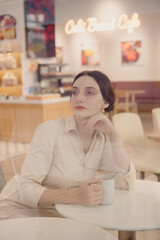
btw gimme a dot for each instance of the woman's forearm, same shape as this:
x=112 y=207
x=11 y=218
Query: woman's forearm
x=56 y=196
x=89 y=193
x=119 y=153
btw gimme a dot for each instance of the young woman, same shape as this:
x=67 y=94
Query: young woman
x=66 y=154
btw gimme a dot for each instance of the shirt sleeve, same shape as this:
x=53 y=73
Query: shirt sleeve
x=123 y=179
x=36 y=167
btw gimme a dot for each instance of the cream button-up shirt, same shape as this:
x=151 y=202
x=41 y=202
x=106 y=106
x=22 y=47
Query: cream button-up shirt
x=56 y=159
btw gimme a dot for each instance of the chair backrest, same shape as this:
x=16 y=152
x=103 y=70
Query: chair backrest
x=2 y=180
x=124 y=101
x=130 y=129
x=156 y=119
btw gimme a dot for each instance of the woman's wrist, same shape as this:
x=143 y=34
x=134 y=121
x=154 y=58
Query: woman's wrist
x=112 y=134
x=65 y=196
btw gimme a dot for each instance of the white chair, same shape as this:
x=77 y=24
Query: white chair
x=10 y=150
x=130 y=129
x=156 y=119
x=2 y=179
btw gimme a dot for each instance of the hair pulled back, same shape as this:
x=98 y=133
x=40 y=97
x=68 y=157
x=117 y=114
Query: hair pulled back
x=104 y=84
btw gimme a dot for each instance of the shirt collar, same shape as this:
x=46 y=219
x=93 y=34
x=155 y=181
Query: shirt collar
x=70 y=124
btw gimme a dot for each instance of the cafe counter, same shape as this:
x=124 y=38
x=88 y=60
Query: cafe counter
x=20 y=117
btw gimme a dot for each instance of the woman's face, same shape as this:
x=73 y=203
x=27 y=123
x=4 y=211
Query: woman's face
x=86 y=97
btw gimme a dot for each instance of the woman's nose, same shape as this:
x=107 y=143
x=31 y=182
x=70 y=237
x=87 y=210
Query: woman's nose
x=80 y=97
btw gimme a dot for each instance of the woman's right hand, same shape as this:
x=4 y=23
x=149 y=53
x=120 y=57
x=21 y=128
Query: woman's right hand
x=90 y=192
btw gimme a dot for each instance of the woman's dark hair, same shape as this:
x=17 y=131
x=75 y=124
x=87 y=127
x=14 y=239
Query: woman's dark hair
x=104 y=84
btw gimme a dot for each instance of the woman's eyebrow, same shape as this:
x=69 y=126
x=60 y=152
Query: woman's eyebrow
x=86 y=87
x=91 y=88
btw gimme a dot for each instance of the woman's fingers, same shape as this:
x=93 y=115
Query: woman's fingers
x=90 y=123
x=93 y=181
x=97 y=199
x=90 y=192
x=97 y=187
x=99 y=122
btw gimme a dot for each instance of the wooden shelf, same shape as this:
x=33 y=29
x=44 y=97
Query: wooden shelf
x=57 y=74
x=11 y=90
x=17 y=72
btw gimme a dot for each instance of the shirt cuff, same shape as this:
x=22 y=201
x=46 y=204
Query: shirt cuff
x=31 y=194
x=130 y=176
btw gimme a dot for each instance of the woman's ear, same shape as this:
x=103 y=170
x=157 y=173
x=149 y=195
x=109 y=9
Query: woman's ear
x=105 y=105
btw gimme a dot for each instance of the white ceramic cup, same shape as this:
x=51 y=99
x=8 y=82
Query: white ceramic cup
x=108 y=188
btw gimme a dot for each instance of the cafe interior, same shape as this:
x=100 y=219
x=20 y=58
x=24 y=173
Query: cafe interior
x=44 y=44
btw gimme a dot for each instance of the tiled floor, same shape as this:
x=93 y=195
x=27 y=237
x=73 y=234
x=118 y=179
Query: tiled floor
x=148 y=127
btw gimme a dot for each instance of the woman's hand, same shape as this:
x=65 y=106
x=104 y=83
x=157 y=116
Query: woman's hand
x=90 y=193
x=99 y=122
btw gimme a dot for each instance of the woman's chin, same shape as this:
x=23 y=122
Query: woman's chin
x=83 y=115
x=80 y=114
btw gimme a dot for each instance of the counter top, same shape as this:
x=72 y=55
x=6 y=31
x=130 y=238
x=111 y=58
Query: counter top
x=23 y=100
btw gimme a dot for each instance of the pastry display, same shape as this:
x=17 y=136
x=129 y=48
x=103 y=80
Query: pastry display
x=11 y=62
x=9 y=79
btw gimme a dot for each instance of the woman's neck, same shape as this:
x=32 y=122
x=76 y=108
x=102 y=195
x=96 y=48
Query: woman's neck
x=81 y=129
x=84 y=133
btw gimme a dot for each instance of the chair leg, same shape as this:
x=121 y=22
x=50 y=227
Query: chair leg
x=142 y=175
x=13 y=165
x=126 y=235
x=158 y=177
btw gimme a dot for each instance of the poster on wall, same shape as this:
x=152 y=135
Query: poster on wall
x=131 y=52
x=40 y=28
x=59 y=54
x=7 y=27
x=90 y=54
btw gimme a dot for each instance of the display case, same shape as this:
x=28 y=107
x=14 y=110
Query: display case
x=52 y=73
x=11 y=73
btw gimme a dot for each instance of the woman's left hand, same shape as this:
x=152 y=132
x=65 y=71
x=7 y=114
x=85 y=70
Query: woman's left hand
x=99 y=122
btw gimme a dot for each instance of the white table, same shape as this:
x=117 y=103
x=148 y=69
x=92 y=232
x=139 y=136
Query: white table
x=51 y=229
x=137 y=209
x=154 y=136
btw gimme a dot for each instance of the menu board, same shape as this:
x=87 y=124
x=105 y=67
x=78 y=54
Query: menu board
x=40 y=28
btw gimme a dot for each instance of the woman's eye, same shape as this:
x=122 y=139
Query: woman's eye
x=90 y=93
x=74 y=92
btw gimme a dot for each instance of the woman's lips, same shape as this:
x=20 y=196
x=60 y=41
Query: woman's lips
x=80 y=107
